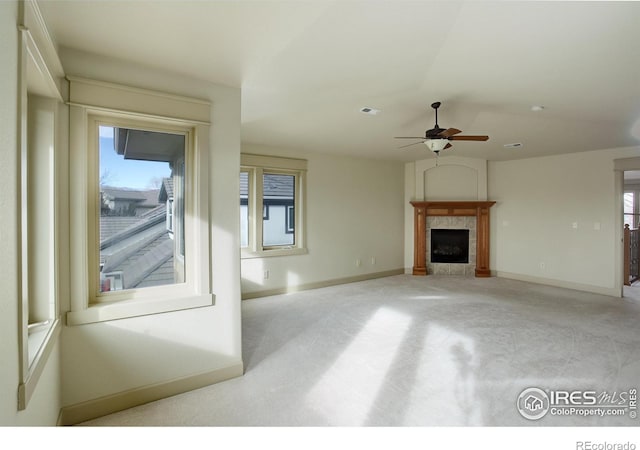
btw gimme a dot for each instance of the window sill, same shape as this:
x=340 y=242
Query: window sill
x=247 y=254
x=133 y=308
x=46 y=339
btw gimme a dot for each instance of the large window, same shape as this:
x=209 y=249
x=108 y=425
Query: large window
x=141 y=216
x=139 y=203
x=271 y=206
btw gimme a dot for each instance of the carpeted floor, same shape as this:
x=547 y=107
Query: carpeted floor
x=415 y=351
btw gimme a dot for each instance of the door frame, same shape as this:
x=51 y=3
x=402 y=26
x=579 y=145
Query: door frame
x=619 y=167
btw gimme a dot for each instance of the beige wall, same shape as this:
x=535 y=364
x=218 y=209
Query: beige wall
x=539 y=200
x=44 y=405
x=354 y=211
x=557 y=219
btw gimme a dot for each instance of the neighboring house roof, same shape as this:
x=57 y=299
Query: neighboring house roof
x=112 y=225
x=144 y=198
x=119 y=193
x=150 y=198
x=275 y=186
x=144 y=222
x=166 y=190
x=244 y=185
x=140 y=247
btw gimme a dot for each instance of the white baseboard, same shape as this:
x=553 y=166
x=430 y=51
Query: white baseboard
x=92 y=409
x=321 y=284
x=612 y=292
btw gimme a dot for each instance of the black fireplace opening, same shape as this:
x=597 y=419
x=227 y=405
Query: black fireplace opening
x=450 y=246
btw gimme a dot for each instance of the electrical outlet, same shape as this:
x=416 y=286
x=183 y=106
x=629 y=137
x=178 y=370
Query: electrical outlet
x=266 y=274
x=358 y=262
x=373 y=260
x=542 y=266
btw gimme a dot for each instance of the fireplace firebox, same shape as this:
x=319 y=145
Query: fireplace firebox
x=450 y=246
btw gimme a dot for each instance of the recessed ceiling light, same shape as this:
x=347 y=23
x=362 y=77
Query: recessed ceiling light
x=514 y=145
x=537 y=108
x=370 y=111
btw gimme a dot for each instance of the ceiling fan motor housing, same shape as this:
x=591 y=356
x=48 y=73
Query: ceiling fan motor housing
x=437 y=139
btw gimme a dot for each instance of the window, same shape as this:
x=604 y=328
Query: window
x=40 y=172
x=278 y=196
x=244 y=209
x=631 y=209
x=139 y=169
x=275 y=187
x=139 y=203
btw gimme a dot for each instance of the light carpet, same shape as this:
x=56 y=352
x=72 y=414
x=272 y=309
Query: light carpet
x=414 y=351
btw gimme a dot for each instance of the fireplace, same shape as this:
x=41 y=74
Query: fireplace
x=450 y=246
x=478 y=210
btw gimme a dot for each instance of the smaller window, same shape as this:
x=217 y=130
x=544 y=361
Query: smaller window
x=278 y=195
x=244 y=209
x=271 y=213
x=630 y=209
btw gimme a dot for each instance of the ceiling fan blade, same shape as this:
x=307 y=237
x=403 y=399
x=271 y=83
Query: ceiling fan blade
x=469 y=138
x=449 y=132
x=409 y=145
x=409 y=137
x=447 y=146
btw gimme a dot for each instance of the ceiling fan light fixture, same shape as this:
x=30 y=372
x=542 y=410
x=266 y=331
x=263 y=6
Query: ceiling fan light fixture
x=436 y=145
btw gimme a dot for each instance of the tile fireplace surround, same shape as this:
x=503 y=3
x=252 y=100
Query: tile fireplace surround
x=479 y=210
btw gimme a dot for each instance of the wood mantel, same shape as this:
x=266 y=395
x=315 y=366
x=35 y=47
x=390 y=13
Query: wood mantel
x=468 y=208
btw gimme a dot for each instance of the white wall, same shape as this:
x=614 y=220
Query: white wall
x=114 y=357
x=354 y=211
x=44 y=405
x=539 y=200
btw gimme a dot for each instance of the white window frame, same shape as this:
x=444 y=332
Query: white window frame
x=39 y=92
x=170 y=216
x=93 y=103
x=257 y=166
x=289 y=228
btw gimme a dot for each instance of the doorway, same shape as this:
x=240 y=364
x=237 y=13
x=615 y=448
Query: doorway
x=631 y=233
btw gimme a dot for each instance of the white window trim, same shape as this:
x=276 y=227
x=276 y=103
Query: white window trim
x=92 y=103
x=256 y=166
x=39 y=72
x=170 y=216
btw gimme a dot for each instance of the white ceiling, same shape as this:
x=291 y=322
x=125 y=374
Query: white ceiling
x=307 y=67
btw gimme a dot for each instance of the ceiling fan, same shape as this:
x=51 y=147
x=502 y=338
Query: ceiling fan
x=437 y=139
